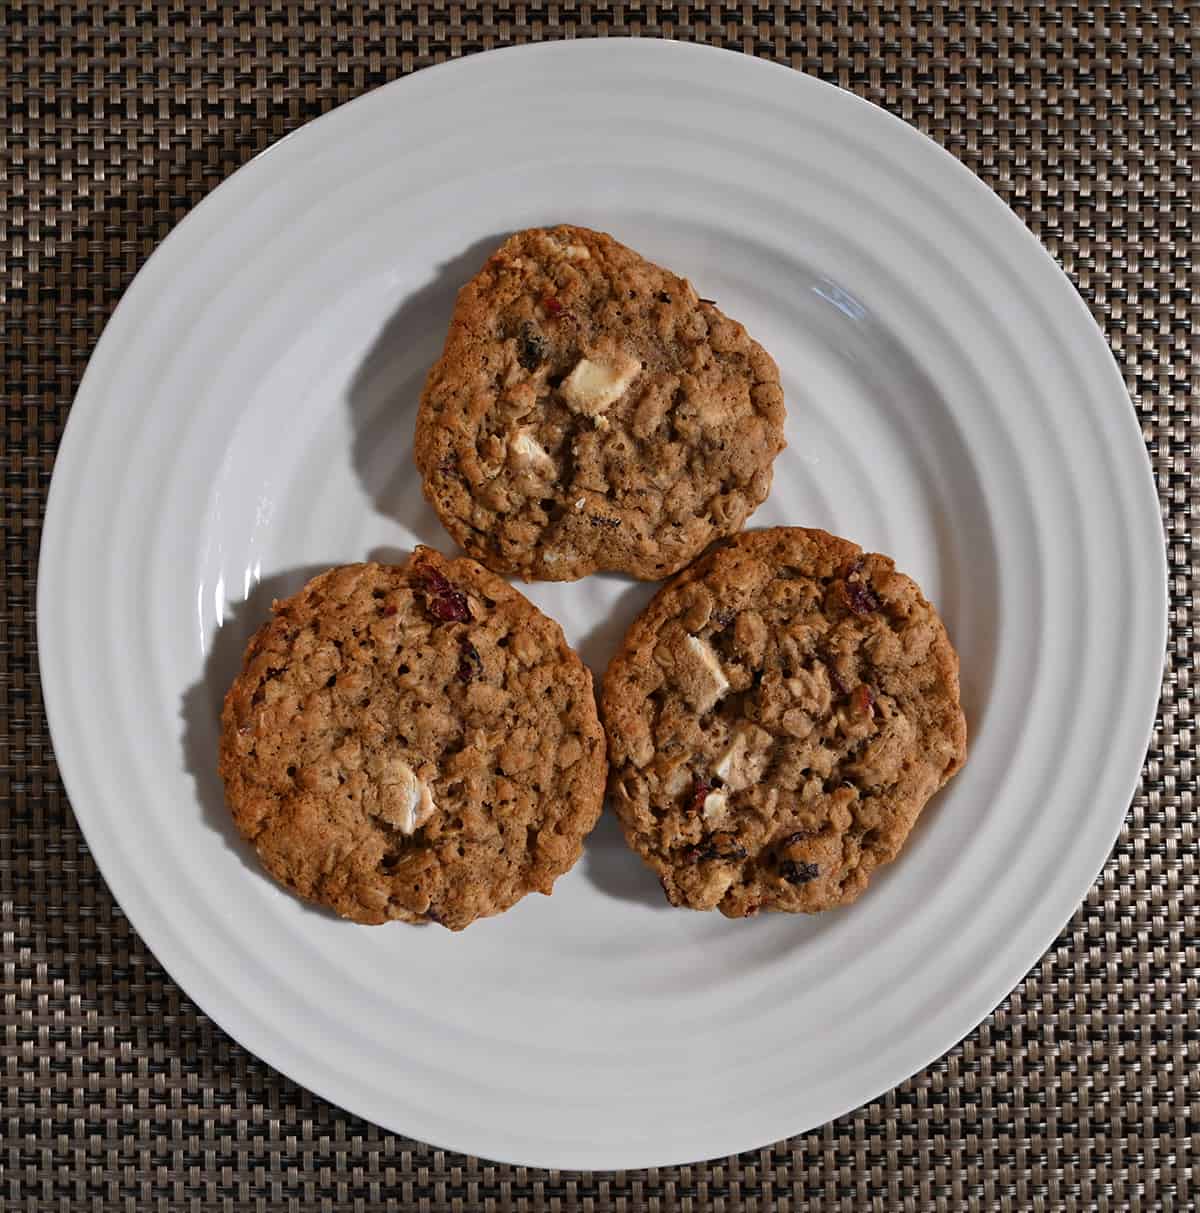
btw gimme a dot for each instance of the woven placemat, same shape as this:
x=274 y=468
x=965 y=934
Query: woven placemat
x=1080 y=1091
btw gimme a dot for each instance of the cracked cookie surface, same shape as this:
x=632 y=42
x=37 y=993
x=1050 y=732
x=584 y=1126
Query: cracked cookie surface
x=778 y=717
x=590 y=413
x=413 y=742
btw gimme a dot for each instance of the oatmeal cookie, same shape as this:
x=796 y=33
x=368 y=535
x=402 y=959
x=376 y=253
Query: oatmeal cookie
x=413 y=742
x=590 y=412
x=777 y=718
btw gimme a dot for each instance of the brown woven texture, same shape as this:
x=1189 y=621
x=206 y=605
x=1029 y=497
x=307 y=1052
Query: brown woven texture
x=1081 y=1091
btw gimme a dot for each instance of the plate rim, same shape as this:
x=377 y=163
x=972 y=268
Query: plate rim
x=91 y=399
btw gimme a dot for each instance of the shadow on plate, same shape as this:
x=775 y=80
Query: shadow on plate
x=600 y=645
x=386 y=389
x=617 y=871
x=202 y=701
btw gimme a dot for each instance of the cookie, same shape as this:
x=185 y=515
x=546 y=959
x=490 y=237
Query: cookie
x=777 y=718
x=590 y=413
x=413 y=742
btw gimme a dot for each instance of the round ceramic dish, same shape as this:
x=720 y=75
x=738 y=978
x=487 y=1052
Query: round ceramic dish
x=247 y=419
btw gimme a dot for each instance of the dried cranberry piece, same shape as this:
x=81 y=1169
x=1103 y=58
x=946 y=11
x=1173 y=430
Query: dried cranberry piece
x=432 y=582
x=390 y=609
x=444 y=601
x=700 y=790
x=470 y=664
x=797 y=836
x=452 y=608
x=863 y=700
x=532 y=348
x=553 y=307
x=860 y=597
x=796 y=871
x=712 y=850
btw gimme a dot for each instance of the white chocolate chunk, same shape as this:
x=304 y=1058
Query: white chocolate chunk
x=528 y=455
x=716 y=804
x=576 y=252
x=592 y=386
x=404 y=800
x=745 y=759
x=705 y=681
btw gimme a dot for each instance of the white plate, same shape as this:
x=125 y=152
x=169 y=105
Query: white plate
x=246 y=419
